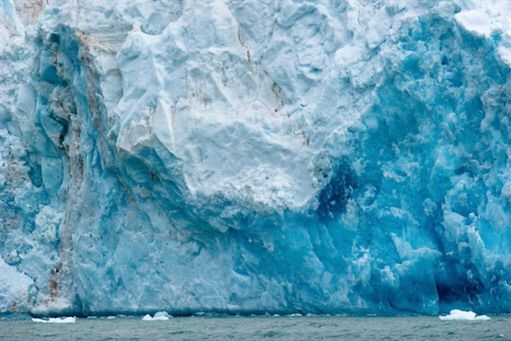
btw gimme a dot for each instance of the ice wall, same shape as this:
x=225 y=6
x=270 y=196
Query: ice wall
x=254 y=156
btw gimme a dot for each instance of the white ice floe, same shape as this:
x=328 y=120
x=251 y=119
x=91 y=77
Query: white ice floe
x=69 y=319
x=457 y=314
x=159 y=316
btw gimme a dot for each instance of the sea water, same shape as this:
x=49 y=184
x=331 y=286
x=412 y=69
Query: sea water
x=261 y=327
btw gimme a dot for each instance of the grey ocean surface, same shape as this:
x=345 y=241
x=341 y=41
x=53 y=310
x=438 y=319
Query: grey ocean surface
x=256 y=328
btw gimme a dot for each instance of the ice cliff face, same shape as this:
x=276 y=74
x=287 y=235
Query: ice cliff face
x=255 y=156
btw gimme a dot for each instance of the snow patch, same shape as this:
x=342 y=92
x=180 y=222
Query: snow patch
x=487 y=18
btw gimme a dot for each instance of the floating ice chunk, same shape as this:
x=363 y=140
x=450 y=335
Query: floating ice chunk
x=69 y=319
x=159 y=316
x=162 y=315
x=457 y=314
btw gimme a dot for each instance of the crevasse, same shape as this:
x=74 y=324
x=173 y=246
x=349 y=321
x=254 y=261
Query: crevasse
x=254 y=156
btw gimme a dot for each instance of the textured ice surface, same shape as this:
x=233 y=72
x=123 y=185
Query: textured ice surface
x=14 y=287
x=254 y=156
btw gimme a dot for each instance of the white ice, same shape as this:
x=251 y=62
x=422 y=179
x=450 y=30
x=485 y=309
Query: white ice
x=69 y=319
x=159 y=316
x=457 y=314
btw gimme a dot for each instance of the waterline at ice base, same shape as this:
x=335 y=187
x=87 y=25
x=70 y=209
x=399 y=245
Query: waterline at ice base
x=240 y=157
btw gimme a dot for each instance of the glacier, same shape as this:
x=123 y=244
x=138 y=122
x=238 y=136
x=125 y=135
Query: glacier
x=253 y=156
